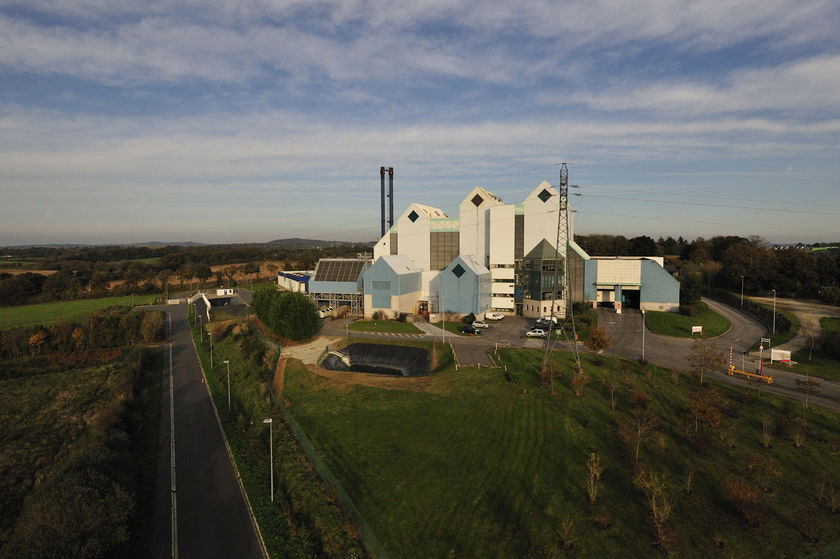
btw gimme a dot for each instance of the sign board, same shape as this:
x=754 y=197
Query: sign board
x=696 y=329
x=780 y=355
x=761 y=348
x=765 y=341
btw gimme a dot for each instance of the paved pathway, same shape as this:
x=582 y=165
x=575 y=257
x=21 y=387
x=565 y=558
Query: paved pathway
x=212 y=520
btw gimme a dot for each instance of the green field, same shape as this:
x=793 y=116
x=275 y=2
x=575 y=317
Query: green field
x=47 y=313
x=391 y=326
x=679 y=326
x=476 y=465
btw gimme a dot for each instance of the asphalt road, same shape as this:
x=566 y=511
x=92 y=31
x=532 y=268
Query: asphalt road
x=626 y=331
x=213 y=520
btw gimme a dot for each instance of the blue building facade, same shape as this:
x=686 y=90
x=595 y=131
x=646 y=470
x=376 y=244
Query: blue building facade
x=465 y=286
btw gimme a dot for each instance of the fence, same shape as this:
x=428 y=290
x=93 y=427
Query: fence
x=369 y=540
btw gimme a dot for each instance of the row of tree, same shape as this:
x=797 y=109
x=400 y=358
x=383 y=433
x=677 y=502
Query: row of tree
x=288 y=315
x=109 y=328
x=100 y=271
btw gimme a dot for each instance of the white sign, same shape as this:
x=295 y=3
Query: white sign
x=780 y=355
x=696 y=329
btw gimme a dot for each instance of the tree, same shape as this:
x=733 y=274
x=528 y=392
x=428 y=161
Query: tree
x=593 y=469
x=704 y=358
x=597 y=341
x=637 y=428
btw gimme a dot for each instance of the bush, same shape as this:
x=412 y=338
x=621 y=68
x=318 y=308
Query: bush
x=688 y=310
x=469 y=319
x=401 y=317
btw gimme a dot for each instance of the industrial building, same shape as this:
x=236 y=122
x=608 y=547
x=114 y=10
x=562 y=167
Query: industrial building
x=491 y=257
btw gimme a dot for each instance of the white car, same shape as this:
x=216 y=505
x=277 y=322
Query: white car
x=479 y=324
x=493 y=316
x=536 y=333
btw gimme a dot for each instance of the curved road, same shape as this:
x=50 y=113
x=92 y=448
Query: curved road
x=626 y=331
x=213 y=519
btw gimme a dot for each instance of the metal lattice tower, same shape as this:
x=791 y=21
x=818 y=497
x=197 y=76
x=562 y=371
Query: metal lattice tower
x=562 y=225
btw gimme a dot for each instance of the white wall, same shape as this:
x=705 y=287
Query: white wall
x=413 y=238
x=502 y=238
x=619 y=272
x=541 y=218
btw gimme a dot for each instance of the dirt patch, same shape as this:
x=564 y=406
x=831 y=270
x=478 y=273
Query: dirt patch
x=19 y=271
x=373 y=380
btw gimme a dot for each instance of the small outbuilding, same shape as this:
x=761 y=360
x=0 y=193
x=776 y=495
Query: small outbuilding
x=392 y=285
x=464 y=286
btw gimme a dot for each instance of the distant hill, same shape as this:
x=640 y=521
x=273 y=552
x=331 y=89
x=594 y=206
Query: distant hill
x=310 y=243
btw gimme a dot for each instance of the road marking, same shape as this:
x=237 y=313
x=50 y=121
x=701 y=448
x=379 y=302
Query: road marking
x=174 y=510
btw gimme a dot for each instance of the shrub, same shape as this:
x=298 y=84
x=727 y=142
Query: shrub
x=469 y=319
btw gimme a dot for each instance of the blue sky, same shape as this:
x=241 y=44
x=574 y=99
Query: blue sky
x=251 y=120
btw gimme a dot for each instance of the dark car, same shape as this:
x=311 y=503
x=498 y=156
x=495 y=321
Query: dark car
x=471 y=330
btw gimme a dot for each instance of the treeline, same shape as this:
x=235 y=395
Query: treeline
x=100 y=271
x=286 y=314
x=106 y=329
x=725 y=261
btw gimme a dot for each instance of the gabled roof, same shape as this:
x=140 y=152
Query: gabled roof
x=543 y=251
x=422 y=210
x=469 y=261
x=543 y=192
x=480 y=197
x=399 y=263
x=576 y=247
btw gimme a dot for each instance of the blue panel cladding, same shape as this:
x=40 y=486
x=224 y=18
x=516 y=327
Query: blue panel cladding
x=590 y=277
x=658 y=286
x=470 y=293
x=380 y=275
x=380 y=298
x=333 y=287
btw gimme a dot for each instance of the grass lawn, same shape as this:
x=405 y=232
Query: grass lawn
x=479 y=466
x=383 y=326
x=679 y=326
x=48 y=313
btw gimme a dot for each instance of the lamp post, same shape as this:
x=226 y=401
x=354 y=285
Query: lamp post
x=227 y=362
x=643 y=334
x=774 y=312
x=210 y=337
x=742 y=291
x=269 y=420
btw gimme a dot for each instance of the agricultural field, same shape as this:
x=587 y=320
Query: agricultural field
x=486 y=463
x=48 y=313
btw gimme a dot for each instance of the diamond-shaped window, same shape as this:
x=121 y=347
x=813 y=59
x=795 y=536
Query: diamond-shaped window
x=413 y=216
x=458 y=270
x=544 y=195
x=477 y=200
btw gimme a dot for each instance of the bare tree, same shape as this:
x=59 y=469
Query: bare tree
x=704 y=358
x=594 y=469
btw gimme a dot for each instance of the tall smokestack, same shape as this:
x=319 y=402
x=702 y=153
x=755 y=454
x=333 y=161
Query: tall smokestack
x=390 y=197
x=382 y=199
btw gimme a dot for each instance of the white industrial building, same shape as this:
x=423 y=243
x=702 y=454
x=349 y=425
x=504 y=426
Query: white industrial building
x=491 y=257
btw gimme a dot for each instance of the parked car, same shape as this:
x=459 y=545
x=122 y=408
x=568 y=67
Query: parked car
x=479 y=324
x=536 y=333
x=472 y=331
x=493 y=316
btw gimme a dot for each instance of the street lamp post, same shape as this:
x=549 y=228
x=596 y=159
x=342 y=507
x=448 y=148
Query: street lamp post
x=210 y=337
x=270 y=420
x=742 y=291
x=643 y=335
x=774 y=312
x=227 y=362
